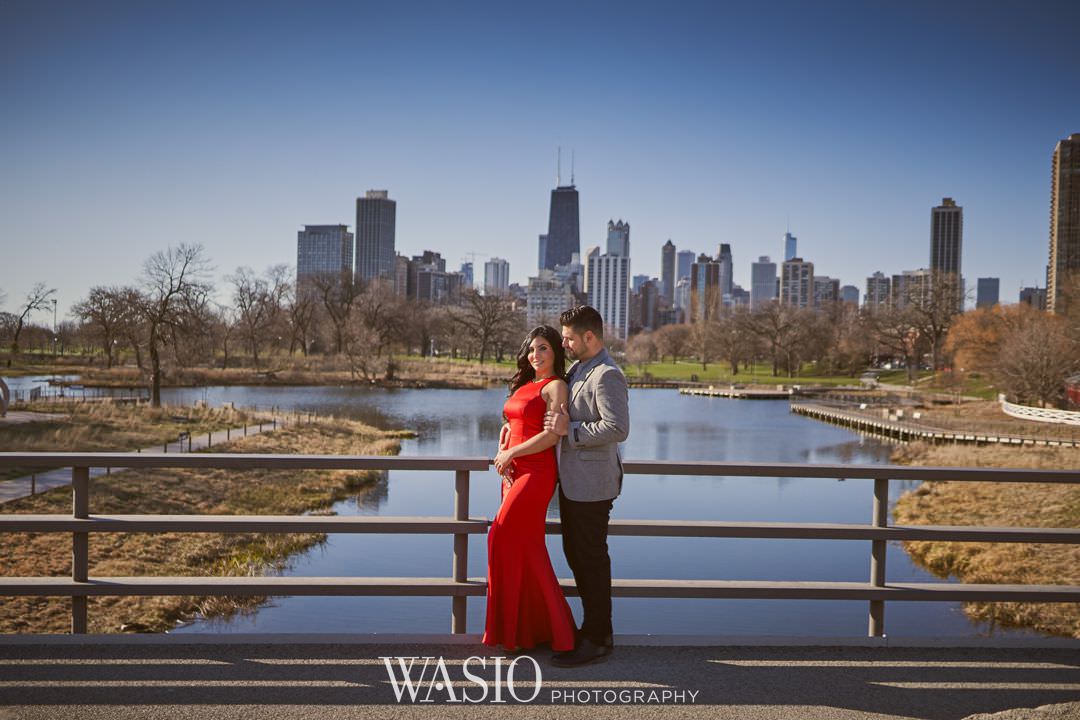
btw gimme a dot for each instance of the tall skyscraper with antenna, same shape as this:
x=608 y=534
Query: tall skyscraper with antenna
x=564 y=230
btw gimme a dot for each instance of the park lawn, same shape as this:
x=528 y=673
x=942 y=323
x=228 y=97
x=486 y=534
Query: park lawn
x=181 y=491
x=761 y=374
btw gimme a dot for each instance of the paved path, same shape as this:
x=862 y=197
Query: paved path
x=21 y=487
x=209 y=677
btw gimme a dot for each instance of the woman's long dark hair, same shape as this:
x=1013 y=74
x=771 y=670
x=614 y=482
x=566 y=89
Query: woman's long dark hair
x=527 y=373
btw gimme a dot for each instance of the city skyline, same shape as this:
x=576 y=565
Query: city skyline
x=122 y=127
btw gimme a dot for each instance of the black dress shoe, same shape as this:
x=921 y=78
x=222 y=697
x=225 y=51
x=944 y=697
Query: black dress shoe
x=586 y=652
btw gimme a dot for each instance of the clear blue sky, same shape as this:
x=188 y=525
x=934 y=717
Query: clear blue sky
x=127 y=127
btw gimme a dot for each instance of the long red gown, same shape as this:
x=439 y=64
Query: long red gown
x=525 y=605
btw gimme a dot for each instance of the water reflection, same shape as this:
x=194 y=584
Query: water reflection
x=666 y=426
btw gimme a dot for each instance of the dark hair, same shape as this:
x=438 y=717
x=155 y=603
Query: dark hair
x=582 y=318
x=527 y=373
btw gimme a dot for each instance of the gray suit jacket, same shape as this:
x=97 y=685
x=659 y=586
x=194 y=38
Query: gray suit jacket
x=589 y=465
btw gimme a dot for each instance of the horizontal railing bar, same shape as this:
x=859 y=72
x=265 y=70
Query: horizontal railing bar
x=479 y=526
x=835 y=531
x=243 y=523
x=848 y=472
x=239 y=461
x=241 y=586
x=416 y=586
x=631 y=467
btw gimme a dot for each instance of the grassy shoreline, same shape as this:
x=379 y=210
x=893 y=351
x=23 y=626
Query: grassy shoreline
x=998 y=505
x=173 y=491
x=412 y=371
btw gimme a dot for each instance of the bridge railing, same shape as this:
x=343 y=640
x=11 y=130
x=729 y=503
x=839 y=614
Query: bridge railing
x=459 y=524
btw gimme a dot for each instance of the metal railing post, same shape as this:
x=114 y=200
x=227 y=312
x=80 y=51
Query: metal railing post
x=461 y=549
x=877 y=556
x=80 y=546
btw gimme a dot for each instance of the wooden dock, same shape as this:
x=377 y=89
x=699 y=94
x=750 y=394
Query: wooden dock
x=737 y=393
x=908 y=431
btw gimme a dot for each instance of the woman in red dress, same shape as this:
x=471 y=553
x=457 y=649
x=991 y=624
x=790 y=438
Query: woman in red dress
x=525 y=605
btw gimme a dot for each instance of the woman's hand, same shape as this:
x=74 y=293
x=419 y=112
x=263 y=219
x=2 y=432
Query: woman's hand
x=504 y=463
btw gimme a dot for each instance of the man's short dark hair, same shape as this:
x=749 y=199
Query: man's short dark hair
x=582 y=318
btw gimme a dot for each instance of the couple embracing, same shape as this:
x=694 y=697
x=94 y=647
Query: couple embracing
x=562 y=428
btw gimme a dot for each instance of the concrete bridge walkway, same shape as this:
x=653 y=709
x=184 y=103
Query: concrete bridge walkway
x=283 y=676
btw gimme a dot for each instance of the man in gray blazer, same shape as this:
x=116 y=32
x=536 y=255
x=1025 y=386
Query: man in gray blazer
x=594 y=422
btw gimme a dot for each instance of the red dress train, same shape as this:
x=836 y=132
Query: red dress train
x=525 y=605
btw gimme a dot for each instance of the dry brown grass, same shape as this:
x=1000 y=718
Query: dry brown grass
x=183 y=491
x=985 y=416
x=108 y=427
x=998 y=505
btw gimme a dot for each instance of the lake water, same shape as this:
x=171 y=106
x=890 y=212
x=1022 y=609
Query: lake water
x=665 y=426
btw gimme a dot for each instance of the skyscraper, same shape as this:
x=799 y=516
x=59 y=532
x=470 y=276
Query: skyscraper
x=590 y=252
x=704 y=289
x=911 y=287
x=727 y=273
x=1063 y=268
x=609 y=291
x=667 y=270
x=946 y=243
x=1033 y=296
x=986 y=294
x=496 y=276
x=547 y=298
x=789 y=247
x=850 y=295
x=826 y=290
x=618 y=238
x=946 y=236
x=762 y=282
x=563 y=237
x=797 y=283
x=467 y=275
x=649 y=306
x=683 y=260
x=376 y=218
x=877 y=291
x=322 y=250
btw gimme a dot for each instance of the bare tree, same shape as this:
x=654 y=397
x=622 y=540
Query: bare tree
x=672 y=341
x=337 y=294
x=896 y=330
x=1035 y=358
x=259 y=304
x=735 y=338
x=932 y=307
x=39 y=298
x=223 y=330
x=106 y=310
x=705 y=340
x=785 y=330
x=132 y=332
x=300 y=310
x=641 y=349
x=175 y=289
x=483 y=316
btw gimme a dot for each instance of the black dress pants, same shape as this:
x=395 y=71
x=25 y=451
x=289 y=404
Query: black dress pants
x=584 y=536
